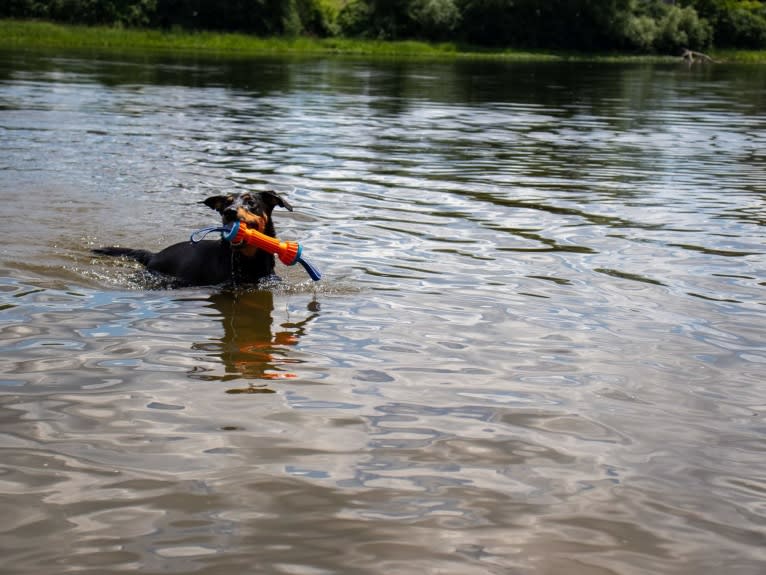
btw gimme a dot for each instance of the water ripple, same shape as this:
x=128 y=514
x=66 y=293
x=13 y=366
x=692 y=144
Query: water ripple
x=538 y=346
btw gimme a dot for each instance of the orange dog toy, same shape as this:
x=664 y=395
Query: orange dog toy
x=289 y=253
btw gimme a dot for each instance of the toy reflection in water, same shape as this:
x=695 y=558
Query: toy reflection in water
x=249 y=349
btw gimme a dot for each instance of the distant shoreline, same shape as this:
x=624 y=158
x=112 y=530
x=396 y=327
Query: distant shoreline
x=45 y=35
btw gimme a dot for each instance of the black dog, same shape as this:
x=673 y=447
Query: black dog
x=216 y=262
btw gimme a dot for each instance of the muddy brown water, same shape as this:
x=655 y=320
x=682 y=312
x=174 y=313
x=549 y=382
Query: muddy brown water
x=539 y=344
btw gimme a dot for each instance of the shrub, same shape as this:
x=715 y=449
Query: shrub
x=659 y=27
x=316 y=17
x=682 y=28
x=434 y=19
x=641 y=33
x=742 y=28
x=354 y=18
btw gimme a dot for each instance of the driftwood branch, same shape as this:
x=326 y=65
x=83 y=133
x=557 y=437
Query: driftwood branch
x=691 y=57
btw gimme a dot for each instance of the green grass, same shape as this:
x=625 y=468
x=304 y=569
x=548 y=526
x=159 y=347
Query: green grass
x=741 y=56
x=29 y=34
x=16 y=34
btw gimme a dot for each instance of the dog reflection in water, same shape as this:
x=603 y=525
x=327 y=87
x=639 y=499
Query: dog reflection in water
x=249 y=349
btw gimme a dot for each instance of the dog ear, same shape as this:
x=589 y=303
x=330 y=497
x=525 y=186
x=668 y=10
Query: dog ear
x=218 y=203
x=274 y=199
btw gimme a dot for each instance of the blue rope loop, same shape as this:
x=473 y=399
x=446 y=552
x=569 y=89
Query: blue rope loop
x=199 y=235
x=227 y=232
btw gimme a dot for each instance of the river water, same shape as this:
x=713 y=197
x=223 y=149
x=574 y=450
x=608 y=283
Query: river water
x=538 y=346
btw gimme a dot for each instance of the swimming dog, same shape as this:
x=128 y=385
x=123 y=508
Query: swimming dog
x=213 y=262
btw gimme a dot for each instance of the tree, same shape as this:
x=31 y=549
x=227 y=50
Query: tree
x=572 y=24
x=736 y=23
x=641 y=25
x=434 y=19
x=656 y=26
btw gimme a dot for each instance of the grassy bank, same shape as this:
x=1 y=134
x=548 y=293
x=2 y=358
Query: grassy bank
x=29 y=35
x=44 y=35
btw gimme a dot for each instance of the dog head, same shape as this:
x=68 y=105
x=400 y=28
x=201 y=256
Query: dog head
x=252 y=208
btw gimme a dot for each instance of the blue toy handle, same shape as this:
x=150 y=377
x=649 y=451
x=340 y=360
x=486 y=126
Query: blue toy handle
x=310 y=269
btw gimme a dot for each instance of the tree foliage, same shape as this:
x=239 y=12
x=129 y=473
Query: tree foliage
x=266 y=17
x=639 y=25
x=659 y=26
x=736 y=23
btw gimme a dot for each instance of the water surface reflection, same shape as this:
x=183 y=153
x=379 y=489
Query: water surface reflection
x=538 y=348
x=249 y=349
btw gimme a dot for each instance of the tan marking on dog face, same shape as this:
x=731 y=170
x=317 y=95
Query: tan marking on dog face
x=252 y=220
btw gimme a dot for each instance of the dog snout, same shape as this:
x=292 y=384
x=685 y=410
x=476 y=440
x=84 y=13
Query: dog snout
x=230 y=214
